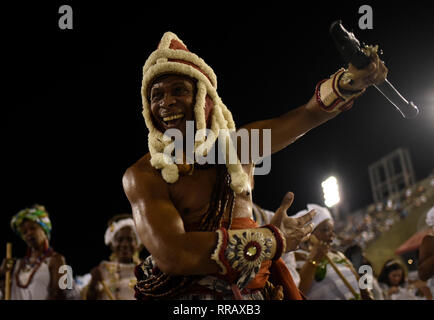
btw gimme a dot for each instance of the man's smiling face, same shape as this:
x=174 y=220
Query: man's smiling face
x=172 y=99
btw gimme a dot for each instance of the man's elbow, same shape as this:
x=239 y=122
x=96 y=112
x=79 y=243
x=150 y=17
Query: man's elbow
x=127 y=179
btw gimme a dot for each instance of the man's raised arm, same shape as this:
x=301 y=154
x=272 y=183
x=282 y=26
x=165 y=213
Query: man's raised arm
x=286 y=128
x=331 y=97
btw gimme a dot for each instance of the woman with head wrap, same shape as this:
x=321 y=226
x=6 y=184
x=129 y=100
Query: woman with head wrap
x=115 y=279
x=426 y=253
x=319 y=279
x=36 y=276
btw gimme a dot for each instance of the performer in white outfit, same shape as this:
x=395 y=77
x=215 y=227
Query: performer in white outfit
x=115 y=279
x=326 y=274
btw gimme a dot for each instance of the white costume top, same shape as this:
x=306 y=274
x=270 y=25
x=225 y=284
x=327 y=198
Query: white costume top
x=331 y=287
x=119 y=278
x=38 y=288
x=405 y=292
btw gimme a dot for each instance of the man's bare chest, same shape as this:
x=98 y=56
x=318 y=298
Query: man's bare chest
x=192 y=195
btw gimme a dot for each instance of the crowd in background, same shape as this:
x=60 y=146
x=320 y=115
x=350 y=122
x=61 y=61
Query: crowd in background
x=366 y=225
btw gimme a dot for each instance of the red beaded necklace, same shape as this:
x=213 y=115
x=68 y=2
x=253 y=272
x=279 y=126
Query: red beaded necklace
x=48 y=252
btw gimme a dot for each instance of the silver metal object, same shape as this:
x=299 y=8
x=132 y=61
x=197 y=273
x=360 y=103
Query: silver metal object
x=408 y=109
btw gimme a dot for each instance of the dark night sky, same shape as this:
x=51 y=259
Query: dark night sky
x=73 y=105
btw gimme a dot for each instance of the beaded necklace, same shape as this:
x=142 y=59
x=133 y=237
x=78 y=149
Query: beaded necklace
x=35 y=265
x=115 y=277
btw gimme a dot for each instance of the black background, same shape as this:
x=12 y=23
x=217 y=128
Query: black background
x=71 y=107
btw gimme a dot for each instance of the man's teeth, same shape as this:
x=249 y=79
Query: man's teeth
x=174 y=117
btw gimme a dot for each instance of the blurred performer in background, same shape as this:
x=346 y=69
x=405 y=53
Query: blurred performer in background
x=393 y=281
x=115 y=279
x=35 y=276
x=326 y=274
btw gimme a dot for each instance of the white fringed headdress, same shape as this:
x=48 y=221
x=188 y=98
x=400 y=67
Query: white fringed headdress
x=173 y=57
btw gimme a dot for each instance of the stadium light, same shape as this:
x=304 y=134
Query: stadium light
x=331 y=191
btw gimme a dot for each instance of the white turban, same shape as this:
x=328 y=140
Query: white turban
x=118 y=225
x=322 y=214
x=430 y=217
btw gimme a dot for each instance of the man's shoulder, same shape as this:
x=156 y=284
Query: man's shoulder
x=141 y=165
x=142 y=171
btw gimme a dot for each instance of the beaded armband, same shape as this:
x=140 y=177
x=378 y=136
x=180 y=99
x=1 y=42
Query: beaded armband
x=239 y=253
x=330 y=98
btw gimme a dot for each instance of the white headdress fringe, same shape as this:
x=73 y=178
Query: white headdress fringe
x=221 y=118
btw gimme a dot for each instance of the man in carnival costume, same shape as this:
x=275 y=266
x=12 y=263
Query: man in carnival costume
x=196 y=219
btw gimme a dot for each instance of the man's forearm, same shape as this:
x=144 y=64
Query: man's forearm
x=295 y=123
x=288 y=127
x=191 y=253
x=307 y=117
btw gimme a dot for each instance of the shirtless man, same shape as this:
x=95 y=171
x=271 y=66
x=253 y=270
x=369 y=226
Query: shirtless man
x=194 y=253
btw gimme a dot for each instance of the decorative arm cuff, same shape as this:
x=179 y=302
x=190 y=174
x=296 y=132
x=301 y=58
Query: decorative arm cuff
x=330 y=98
x=240 y=253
